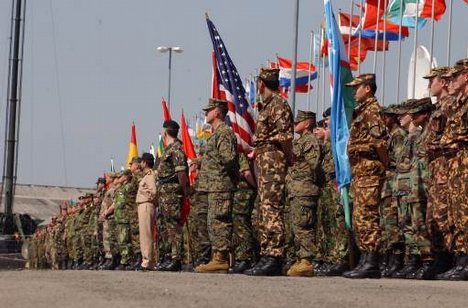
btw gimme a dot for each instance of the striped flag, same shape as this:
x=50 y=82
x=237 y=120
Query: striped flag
x=342 y=105
x=227 y=84
x=160 y=152
x=412 y=8
x=304 y=69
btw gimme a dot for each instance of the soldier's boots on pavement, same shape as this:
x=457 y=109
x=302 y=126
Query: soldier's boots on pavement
x=412 y=265
x=302 y=268
x=267 y=266
x=368 y=269
x=173 y=266
x=240 y=267
x=335 y=269
x=394 y=264
x=219 y=264
x=458 y=272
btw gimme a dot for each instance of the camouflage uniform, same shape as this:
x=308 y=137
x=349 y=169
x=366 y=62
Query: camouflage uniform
x=133 y=212
x=455 y=145
x=108 y=226
x=274 y=125
x=220 y=168
x=171 y=197
x=198 y=224
x=244 y=198
x=122 y=220
x=438 y=195
x=77 y=229
x=303 y=193
x=331 y=235
x=392 y=238
x=367 y=133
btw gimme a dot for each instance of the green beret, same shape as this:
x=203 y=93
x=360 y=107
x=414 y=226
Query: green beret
x=171 y=124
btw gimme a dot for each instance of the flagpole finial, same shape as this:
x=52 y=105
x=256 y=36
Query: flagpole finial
x=206 y=15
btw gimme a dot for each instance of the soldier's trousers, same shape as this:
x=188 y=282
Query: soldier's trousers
x=170 y=205
x=124 y=242
x=304 y=225
x=438 y=217
x=458 y=188
x=134 y=230
x=77 y=246
x=164 y=249
x=366 y=218
x=108 y=238
x=412 y=223
x=290 y=248
x=220 y=220
x=242 y=235
x=392 y=240
x=332 y=236
x=198 y=226
x=271 y=167
x=146 y=227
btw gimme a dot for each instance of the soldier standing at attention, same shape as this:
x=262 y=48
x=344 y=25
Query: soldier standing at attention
x=455 y=145
x=367 y=150
x=219 y=167
x=392 y=246
x=133 y=212
x=273 y=154
x=172 y=189
x=108 y=225
x=146 y=200
x=304 y=193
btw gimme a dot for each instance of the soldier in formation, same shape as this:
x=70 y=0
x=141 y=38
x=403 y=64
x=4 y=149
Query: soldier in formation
x=409 y=195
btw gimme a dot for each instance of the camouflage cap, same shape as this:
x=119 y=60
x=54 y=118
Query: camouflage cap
x=112 y=175
x=86 y=196
x=126 y=172
x=455 y=70
x=214 y=102
x=393 y=109
x=269 y=74
x=361 y=79
x=327 y=113
x=462 y=62
x=437 y=72
x=101 y=180
x=418 y=105
x=321 y=123
x=305 y=115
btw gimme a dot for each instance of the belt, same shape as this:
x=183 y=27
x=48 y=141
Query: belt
x=169 y=180
x=267 y=147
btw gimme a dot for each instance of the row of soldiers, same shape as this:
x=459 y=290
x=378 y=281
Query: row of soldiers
x=275 y=208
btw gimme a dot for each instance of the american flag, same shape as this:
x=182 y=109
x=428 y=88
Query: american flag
x=227 y=85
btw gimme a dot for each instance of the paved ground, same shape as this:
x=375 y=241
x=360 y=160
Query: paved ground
x=132 y=289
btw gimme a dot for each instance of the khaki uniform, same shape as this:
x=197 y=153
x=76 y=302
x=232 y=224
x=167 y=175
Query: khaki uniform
x=146 y=198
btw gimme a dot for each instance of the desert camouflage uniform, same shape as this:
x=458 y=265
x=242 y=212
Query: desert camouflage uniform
x=455 y=145
x=274 y=125
x=367 y=133
x=171 y=197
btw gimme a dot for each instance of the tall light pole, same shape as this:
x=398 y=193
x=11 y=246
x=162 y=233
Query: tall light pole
x=170 y=49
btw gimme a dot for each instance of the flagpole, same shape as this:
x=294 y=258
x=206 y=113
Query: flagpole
x=360 y=38
x=449 y=34
x=376 y=37
x=432 y=32
x=415 y=47
x=384 y=51
x=350 y=27
x=399 y=51
x=294 y=62
x=319 y=75
x=323 y=86
x=311 y=55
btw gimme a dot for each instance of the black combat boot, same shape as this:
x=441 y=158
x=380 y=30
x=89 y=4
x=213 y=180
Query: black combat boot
x=286 y=266
x=107 y=265
x=137 y=261
x=335 y=269
x=240 y=266
x=255 y=266
x=395 y=264
x=425 y=272
x=412 y=265
x=173 y=266
x=122 y=267
x=443 y=262
x=461 y=270
x=384 y=261
x=362 y=260
x=370 y=268
x=271 y=267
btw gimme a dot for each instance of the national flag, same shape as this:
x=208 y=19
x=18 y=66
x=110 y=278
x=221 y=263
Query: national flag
x=160 y=152
x=166 y=113
x=345 y=23
x=132 y=147
x=342 y=105
x=189 y=151
x=374 y=18
x=227 y=85
x=304 y=70
x=422 y=9
x=250 y=91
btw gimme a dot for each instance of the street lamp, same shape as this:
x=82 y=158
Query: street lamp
x=164 y=49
